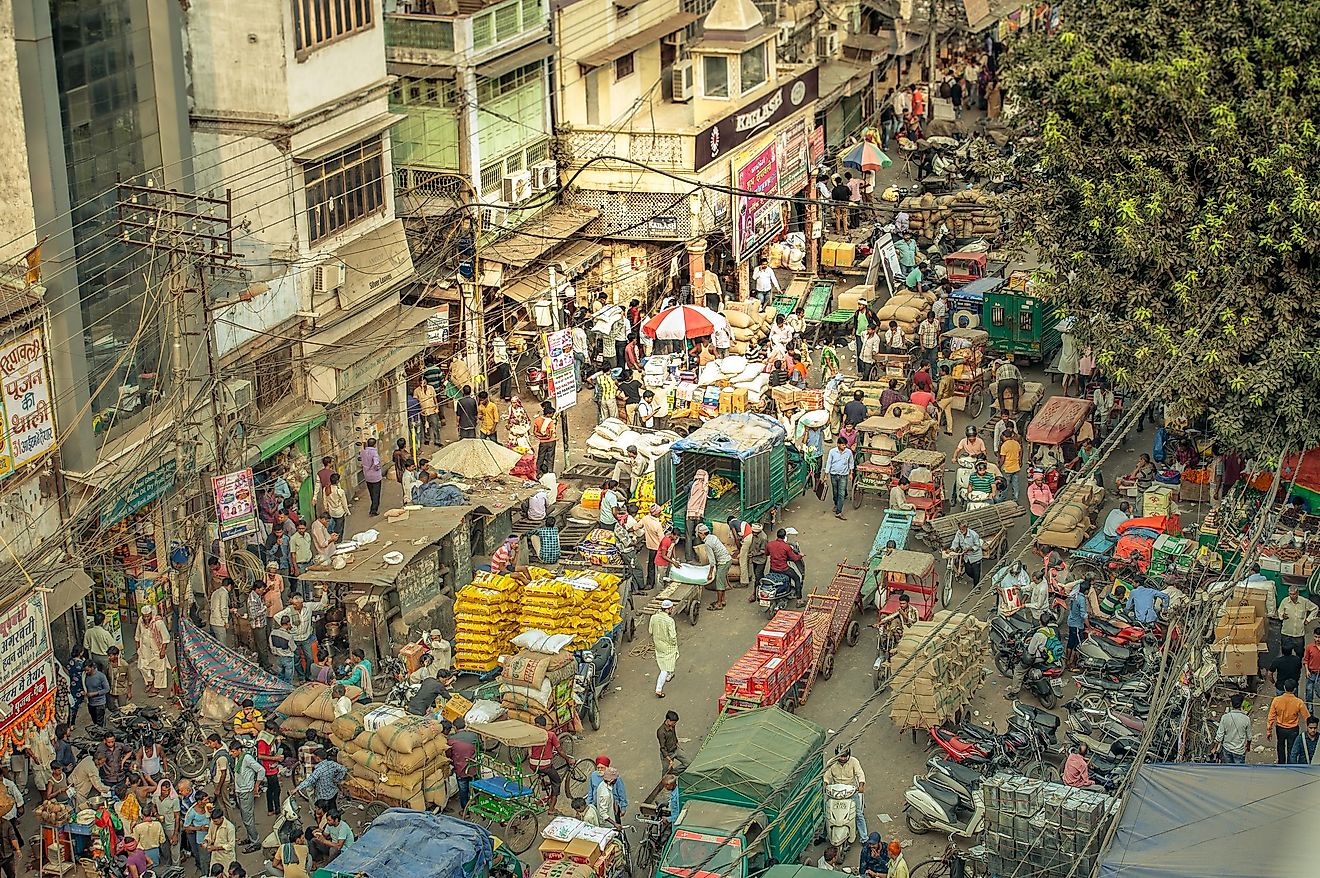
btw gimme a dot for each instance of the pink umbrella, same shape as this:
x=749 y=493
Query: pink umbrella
x=683 y=321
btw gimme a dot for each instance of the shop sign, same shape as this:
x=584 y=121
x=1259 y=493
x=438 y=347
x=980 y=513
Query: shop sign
x=793 y=158
x=25 y=403
x=147 y=489
x=559 y=368
x=437 y=326
x=816 y=145
x=747 y=123
x=28 y=690
x=235 y=504
x=756 y=221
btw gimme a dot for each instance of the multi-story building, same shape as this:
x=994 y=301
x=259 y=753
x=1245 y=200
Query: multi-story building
x=290 y=113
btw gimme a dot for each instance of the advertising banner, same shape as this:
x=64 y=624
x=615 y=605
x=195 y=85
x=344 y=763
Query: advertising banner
x=756 y=221
x=559 y=368
x=27 y=693
x=793 y=158
x=235 y=503
x=25 y=401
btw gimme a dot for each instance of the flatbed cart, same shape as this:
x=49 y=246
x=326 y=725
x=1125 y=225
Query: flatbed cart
x=819 y=297
x=829 y=616
x=685 y=594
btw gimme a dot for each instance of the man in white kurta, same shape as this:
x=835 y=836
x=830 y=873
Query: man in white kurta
x=665 y=637
x=153 y=640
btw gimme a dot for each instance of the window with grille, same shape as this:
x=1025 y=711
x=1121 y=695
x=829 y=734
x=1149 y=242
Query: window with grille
x=319 y=21
x=343 y=188
x=483 y=31
x=410 y=91
x=625 y=66
x=491 y=175
x=274 y=377
x=490 y=89
x=505 y=22
x=538 y=152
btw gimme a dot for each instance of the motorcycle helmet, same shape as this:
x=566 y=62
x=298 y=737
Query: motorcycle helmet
x=971 y=431
x=843 y=751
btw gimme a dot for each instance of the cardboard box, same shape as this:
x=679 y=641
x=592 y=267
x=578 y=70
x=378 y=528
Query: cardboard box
x=785 y=396
x=828 y=253
x=1239 y=615
x=455 y=707
x=1241 y=632
x=1256 y=598
x=579 y=850
x=412 y=654
x=1237 y=660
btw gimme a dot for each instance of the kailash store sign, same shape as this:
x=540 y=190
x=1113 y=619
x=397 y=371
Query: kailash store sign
x=726 y=135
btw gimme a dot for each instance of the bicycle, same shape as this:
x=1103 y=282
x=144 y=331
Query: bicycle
x=955 y=863
x=654 y=817
x=574 y=774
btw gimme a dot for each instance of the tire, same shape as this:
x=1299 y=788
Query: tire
x=1048 y=699
x=880 y=678
x=1003 y=665
x=946 y=592
x=1041 y=770
x=372 y=810
x=827 y=665
x=630 y=629
x=191 y=761
x=694 y=611
x=854 y=633
x=856 y=498
x=789 y=703
x=569 y=744
x=916 y=824
x=1093 y=701
x=577 y=778
x=644 y=858
x=593 y=715
x=976 y=401
x=520 y=832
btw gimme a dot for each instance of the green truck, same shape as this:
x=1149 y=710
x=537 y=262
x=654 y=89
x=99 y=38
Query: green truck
x=753 y=797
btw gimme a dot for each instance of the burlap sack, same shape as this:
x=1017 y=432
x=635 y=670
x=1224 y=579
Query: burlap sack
x=409 y=733
x=314 y=700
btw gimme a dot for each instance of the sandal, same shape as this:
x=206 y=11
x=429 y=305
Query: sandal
x=711 y=607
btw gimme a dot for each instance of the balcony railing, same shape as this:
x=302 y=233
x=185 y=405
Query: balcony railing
x=419 y=32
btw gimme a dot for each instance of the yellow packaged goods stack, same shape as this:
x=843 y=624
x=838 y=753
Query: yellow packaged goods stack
x=936 y=668
x=581 y=604
x=485 y=620
x=392 y=755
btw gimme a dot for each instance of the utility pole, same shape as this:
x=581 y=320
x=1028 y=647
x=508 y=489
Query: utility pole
x=195 y=233
x=930 y=56
x=556 y=324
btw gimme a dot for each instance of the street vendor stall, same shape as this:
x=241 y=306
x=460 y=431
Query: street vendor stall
x=751 y=467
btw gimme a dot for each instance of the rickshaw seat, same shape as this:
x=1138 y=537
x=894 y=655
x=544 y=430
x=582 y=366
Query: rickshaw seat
x=503 y=788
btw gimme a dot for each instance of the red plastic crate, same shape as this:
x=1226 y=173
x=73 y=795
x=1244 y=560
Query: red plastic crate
x=783 y=630
x=740 y=675
x=771 y=679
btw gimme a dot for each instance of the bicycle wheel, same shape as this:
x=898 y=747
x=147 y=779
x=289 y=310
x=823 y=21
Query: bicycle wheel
x=372 y=810
x=520 y=832
x=931 y=869
x=577 y=777
x=645 y=857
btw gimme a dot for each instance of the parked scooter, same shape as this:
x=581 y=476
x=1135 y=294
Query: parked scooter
x=929 y=804
x=288 y=816
x=1044 y=682
x=775 y=591
x=841 y=815
x=595 y=670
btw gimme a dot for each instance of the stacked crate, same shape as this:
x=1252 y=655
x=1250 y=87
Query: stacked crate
x=936 y=668
x=1240 y=633
x=762 y=676
x=1045 y=829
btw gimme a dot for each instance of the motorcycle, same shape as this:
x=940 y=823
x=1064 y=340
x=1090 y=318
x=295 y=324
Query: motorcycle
x=402 y=690
x=288 y=816
x=929 y=804
x=1097 y=655
x=775 y=591
x=595 y=670
x=1046 y=682
x=841 y=814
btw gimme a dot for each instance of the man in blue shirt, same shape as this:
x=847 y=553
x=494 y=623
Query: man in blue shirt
x=1078 y=613
x=839 y=467
x=1141 y=604
x=968 y=542
x=874 y=861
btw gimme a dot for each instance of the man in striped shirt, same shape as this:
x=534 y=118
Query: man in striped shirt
x=506 y=556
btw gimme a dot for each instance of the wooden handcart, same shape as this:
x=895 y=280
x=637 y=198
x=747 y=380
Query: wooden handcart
x=685 y=595
x=829 y=617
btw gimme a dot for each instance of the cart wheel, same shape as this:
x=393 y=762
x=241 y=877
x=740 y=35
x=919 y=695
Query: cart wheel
x=694 y=611
x=976 y=401
x=854 y=633
x=857 y=498
x=827 y=665
x=516 y=756
x=789 y=703
x=520 y=832
x=630 y=629
x=372 y=810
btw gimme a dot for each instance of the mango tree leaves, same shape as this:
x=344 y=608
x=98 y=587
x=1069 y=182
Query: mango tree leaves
x=1174 y=192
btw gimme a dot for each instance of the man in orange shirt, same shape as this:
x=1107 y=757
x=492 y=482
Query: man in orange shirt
x=1311 y=661
x=1287 y=713
x=543 y=429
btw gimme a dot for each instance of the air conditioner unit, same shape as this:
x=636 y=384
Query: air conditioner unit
x=517 y=187
x=235 y=396
x=544 y=175
x=827 y=45
x=785 y=33
x=328 y=277
x=494 y=216
x=677 y=38
x=683 y=81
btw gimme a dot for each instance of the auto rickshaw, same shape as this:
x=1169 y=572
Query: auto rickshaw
x=1055 y=434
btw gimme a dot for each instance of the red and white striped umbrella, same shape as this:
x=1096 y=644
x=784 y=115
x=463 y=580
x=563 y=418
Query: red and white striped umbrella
x=683 y=321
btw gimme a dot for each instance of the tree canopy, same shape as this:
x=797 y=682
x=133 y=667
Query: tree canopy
x=1173 y=154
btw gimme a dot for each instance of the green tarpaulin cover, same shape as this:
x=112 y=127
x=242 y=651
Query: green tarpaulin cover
x=753 y=756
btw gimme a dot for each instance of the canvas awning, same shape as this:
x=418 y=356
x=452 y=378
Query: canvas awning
x=65 y=588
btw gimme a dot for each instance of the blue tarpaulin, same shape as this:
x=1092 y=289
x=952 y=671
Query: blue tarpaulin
x=402 y=843
x=1218 y=821
x=737 y=435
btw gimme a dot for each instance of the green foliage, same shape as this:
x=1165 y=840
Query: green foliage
x=1177 y=162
